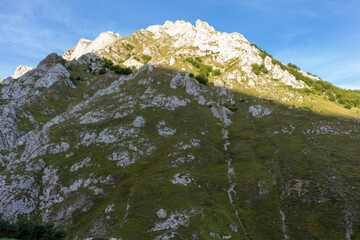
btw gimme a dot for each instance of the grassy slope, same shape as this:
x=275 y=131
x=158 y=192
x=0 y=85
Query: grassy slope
x=312 y=178
x=317 y=101
x=262 y=160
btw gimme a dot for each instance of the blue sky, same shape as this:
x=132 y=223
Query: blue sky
x=320 y=36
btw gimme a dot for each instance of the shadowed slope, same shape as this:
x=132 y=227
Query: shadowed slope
x=157 y=155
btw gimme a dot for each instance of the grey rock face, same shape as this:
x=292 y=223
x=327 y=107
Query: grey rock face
x=56 y=73
x=161 y=213
x=139 y=121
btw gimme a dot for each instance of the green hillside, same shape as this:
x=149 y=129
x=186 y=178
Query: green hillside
x=200 y=148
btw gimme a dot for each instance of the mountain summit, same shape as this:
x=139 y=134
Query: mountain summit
x=179 y=132
x=86 y=46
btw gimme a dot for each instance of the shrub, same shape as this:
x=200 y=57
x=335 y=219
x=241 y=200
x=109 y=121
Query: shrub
x=74 y=78
x=203 y=68
x=276 y=62
x=348 y=105
x=293 y=66
x=191 y=75
x=120 y=70
x=306 y=108
x=108 y=63
x=146 y=58
x=257 y=69
x=216 y=72
x=202 y=79
x=128 y=46
x=102 y=71
x=342 y=101
x=23 y=228
x=232 y=108
x=193 y=62
x=332 y=98
x=262 y=55
x=198 y=59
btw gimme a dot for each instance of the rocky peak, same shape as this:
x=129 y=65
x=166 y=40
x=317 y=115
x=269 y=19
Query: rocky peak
x=84 y=41
x=204 y=26
x=181 y=27
x=87 y=46
x=51 y=60
x=105 y=38
x=21 y=70
x=185 y=40
x=203 y=36
x=178 y=27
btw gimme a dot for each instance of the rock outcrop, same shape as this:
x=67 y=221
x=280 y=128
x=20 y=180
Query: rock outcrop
x=84 y=46
x=21 y=70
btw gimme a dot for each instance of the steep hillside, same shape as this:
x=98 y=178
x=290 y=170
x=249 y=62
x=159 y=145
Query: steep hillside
x=209 y=137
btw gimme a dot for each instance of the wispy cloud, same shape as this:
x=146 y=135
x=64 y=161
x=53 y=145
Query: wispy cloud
x=28 y=30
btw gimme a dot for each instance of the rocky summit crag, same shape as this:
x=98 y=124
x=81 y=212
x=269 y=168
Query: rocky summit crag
x=209 y=137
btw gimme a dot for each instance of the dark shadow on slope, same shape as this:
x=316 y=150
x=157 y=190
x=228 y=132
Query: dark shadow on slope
x=291 y=171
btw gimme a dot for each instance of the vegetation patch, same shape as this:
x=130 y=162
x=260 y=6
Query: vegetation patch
x=204 y=70
x=257 y=69
x=202 y=79
x=128 y=46
x=116 y=68
x=216 y=72
x=293 y=66
x=146 y=58
x=23 y=228
x=232 y=108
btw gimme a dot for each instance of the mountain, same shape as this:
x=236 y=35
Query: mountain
x=21 y=70
x=179 y=132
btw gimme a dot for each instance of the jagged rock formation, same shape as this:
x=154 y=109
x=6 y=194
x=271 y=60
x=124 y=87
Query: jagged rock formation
x=157 y=155
x=21 y=70
x=86 y=46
